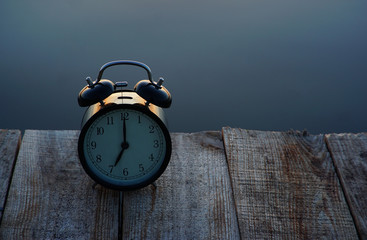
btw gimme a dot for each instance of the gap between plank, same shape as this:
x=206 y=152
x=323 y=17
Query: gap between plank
x=340 y=180
x=231 y=184
x=11 y=176
x=121 y=215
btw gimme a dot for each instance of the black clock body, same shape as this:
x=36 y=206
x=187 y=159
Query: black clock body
x=124 y=142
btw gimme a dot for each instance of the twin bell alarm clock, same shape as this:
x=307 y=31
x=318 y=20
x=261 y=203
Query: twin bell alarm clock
x=124 y=142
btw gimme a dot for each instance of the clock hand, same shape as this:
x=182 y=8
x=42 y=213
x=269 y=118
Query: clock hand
x=124 y=130
x=119 y=156
x=124 y=144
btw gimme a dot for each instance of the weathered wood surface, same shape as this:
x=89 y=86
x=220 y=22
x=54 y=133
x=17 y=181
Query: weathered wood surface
x=9 y=146
x=254 y=185
x=192 y=199
x=285 y=186
x=51 y=197
x=349 y=152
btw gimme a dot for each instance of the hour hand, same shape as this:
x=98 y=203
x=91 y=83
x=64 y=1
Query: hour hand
x=124 y=146
x=119 y=156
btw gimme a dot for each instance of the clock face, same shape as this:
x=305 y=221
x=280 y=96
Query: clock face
x=124 y=147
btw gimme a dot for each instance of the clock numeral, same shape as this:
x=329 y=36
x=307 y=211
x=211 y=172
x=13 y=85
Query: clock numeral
x=93 y=144
x=98 y=158
x=156 y=144
x=100 y=131
x=151 y=129
x=111 y=167
x=109 y=120
x=125 y=116
x=125 y=172
x=141 y=168
x=139 y=119
x=151 y=157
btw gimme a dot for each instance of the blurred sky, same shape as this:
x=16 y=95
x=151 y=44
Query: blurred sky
x=266 y=65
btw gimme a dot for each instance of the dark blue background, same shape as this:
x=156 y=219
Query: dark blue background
x=268 y=65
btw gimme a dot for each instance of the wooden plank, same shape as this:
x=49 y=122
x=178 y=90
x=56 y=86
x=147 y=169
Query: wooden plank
x=9 y=146
x=285 y=186
x=349 y=152
x=192 y=199
x=51 y=197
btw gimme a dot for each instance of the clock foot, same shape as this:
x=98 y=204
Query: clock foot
x=94 y=185
x=154 y=185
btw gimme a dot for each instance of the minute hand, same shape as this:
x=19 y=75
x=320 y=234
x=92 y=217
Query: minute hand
x=124 y=144
x=124 y=130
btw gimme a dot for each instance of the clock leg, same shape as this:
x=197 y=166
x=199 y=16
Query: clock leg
x=154 y=185
x=94 y=185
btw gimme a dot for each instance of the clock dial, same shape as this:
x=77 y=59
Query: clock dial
x=125 y=148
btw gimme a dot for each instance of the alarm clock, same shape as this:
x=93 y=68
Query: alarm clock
x=124 y=142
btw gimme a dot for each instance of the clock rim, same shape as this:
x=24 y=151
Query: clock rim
x=105 y=110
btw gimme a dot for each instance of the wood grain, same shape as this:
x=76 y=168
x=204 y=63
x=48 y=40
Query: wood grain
x=349 y=152
x=52 y=198
x=9 y=146
x=285 y=186
x=192 y=199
